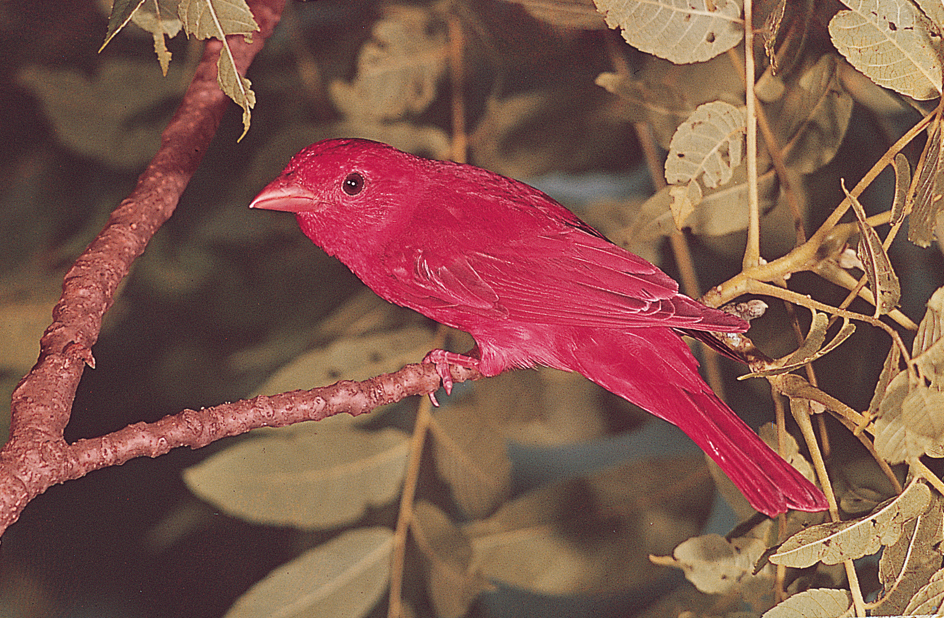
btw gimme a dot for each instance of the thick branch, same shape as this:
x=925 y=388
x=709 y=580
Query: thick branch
x=36 y=456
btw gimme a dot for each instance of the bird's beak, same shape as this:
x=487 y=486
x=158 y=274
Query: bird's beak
x=279 y=195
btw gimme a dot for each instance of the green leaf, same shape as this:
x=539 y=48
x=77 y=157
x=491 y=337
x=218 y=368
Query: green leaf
x=302 y=478
x=681 y=31
x=121 y=12
x=892 y=43
x=344 y=578
x=218 y=19
x=159 y=17
x=833 y=542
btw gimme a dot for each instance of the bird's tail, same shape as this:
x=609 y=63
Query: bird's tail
x=655 y=370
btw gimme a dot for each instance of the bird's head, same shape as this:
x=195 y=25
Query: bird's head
x=339 y=188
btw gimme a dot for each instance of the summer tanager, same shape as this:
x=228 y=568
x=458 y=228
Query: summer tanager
x=532 y=284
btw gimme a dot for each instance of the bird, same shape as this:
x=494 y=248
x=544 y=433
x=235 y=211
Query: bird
x=532 y=284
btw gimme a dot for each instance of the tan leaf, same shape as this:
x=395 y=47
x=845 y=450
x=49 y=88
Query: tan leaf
x=929 y=191
x=681 y=31
x=878 y=267
x=302 y=478
x=902 y=186
x=580 y=14
x=929 y=600
x=343 y=578
x=716 y=565
x=908 y=564
x=472 y=458
x=705 y=151
x=398 y=69
x=815 y=603
x=892 y=43
x=454 y=582
x=833 y=542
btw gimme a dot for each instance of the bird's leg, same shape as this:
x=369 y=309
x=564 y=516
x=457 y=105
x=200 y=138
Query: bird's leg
x=442 y=359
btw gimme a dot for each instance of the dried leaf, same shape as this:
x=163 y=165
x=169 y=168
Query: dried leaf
x=902 y=185
x=878 y=267
x=929 y=600
x=472 y=458
x=811 y=118
x=304 y=479
x=580 y=14
x=833 y=542
x=716 y=565
x=908 y=564
x=398 y=69
x=681 y=31
x=816 y=603
x=929 y=191
x=911 y=409
x=892 y=43
x=705 y=150
x=454 y=582
x=812 y=348
x=344 y=578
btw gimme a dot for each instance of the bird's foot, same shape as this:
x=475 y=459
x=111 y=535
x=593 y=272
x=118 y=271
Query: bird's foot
x=442 y=359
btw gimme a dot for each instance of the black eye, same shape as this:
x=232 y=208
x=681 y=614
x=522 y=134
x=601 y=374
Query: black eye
x=353 y=183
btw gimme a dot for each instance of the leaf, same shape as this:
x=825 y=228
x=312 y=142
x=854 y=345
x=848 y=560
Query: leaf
x=121 y=12
x=304 y=479
x=929 y=191
x=398 y=69
x=663 y=105
x=892 y=43
x=344 y=578
x=908 y=564
x=115 y=116
x=681 y=31
x=833 y=542
x=902 y=186
x=815 y=603
x=352 y=358
x=160 y=18
x=878 y=267
x=217 y=19
x=716 y=565
x=705 y=149
x=889 y=370
x=580 y=14
x=929 y=600
x=811 y=118
x=812 y=348
x=591 y=535
x=910 y=419
x=472 y=458
x=454 y=581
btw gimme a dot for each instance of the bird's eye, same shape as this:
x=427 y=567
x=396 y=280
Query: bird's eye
x=353 y=183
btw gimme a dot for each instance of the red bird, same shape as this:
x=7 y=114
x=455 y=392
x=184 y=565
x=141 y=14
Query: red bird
x=532 y=284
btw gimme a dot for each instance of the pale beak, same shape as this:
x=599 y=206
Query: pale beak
x=279 y=195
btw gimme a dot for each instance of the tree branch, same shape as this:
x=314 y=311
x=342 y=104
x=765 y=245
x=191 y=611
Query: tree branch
x=36 y=455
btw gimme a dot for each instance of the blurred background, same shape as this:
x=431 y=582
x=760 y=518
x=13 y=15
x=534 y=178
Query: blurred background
x=223 y=298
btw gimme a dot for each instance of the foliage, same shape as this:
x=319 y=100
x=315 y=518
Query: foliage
x=544 y=87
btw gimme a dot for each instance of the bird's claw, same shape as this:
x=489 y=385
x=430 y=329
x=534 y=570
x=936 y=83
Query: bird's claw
x=442 y=360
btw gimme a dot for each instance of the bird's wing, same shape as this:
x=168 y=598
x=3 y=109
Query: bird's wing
x=561 y=277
